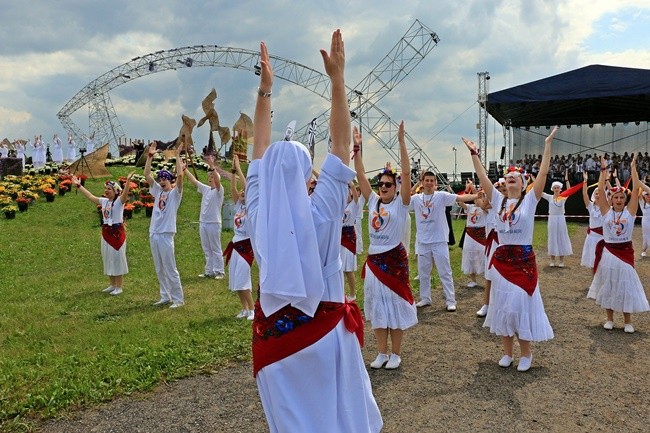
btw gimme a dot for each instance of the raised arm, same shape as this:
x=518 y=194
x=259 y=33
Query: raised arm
x=585 y=189
x=180 y=166
x=84 y=191
x=633 y=204
x=566 y=179
x=353 y=190
x=405 y=163
x=483 y=178
x=147 y=165
x=540 y=181
x=602 y=196
x=215 y=174
x=364 y=184
x=334 y=63
x=262 y=118
x=124 y=197
x=190 y=176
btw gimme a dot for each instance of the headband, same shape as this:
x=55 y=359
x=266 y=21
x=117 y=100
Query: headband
x=164 y=174
x=116 y=186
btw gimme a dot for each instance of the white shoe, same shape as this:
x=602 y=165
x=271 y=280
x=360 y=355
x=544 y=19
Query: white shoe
x=609 y=325
x=116 y=291
x=219 y=276
x=423 y=303
x=351 y=298
x=161 y=302
x=176 y=305
x=206 y=276
x=251 y=315
x=483 y=311
x=379 y=361
x=629 y=328
x=109 y=289
x=561 y=265
x=393 y=362
x=242 y=314
x=505 y=361
x=525 y=362
x=552 y=264
x=451 y=307
x=472 y=284
x=643 y=254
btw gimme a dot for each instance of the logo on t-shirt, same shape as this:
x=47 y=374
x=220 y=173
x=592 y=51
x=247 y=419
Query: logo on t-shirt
x=162 y=201
x=426 y=208
x=380 y=219
x=239 y=217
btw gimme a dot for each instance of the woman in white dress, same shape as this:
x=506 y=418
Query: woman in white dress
x=57 y=150
x=595 y=228
x=38 y=153
x=616 y=285
x=644 y=204
x=473 y=256
x=20 y=152
x=71 y=155
x=516 y=306
x=349 y=242
x=559 y=244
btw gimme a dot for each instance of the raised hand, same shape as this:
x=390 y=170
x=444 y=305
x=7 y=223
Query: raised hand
x=334 y=62
x=152 y=149
x=266 y=71
x=470 y=145
x=550 y=137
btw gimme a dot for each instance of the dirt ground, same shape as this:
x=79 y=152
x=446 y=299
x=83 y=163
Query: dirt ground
x=587 y=379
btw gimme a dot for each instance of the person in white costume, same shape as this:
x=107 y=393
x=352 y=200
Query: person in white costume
x=516 y=306
x=349 y=241
x=20 y=152
x=559 y=244
x=210 y=220
x=595 y=227
x=239 y=252
x=306 y=353
x=616 y=285
x=162 y=228
x=4 y=151
x=38 y=153
x=113 y=244
x=473 y=257
x=644 y=204
x=71 y=155
x=359 y=219
x=57 y=150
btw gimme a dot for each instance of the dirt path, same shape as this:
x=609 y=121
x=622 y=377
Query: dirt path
x=585 y=380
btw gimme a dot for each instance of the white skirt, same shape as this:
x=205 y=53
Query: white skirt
x=645 y=229
x=488 y=257
x=114 y=260
x=385 y=308
x=559 y=243
x=239 y=273
x=348 y=260
x=321 y=389
x=513 y=312
x=589 y=249
x=616 y=286
x=473 y=259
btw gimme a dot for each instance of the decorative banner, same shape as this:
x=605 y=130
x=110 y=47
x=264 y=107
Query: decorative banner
x=311 y=135
x=289 y=132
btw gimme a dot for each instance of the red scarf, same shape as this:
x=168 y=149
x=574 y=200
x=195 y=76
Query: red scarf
x=289 y=330
x=492 y=237
x=476 y=233
x=243 y=247
x=349 y=238
x=114 y=235
x=598 y=230
x=516 y=263
x=622 y=250
x=392 y=269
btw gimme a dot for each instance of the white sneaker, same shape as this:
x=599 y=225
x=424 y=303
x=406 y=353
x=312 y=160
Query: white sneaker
x=116 y=291
x=350 y=298
x=629 y=328
x=241 y=314
x=219 y=276
x=643 y=254
x=176 y=305
x=379 y=361
x=251 y=315
x=161 y=302
x=609 y=325
x=205 y=276
x=483 y=311
x=423 y=303
x=451 y=307
x=472 y=284
x=109 y=289
x=561 y=265
x=393 y=362
x=552 y=264
x=525 y=362
x=505 y=361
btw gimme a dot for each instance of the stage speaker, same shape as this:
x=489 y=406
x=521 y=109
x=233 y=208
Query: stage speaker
x=503 y=152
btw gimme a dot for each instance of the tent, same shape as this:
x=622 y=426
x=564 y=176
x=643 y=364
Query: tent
x=588 y=95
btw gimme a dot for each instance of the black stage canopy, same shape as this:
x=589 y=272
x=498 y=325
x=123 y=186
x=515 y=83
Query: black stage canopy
x=593 y=94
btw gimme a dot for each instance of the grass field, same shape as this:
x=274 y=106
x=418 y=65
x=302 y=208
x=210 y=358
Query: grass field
x=64 y=344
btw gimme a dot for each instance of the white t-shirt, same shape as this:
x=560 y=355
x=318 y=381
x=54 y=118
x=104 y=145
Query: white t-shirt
x=595 y=217
x=430 y=219
x=517 y=228
x=555 y=207
x=386 y=227
x=618 y=226
x=476 y=217
x=211 y=202
x=350 y=214
x=165 y=207
x=239 y=222
x=361 y=202
x=112 y=211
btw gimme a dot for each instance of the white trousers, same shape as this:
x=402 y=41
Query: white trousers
x=164 y=260
x=211 y=243
x=435 y=253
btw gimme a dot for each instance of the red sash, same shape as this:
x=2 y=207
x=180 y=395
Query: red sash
x=114 y=235
x=243 y=247
x=516 y=263
x=492 y=237
x=392 y=269
x=349 y=238
x=622 y=250
x=476 y=233
x=289 y=330
x=598 y=230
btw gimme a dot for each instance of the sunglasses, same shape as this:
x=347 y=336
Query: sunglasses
x=385 y=184
x=512 y=174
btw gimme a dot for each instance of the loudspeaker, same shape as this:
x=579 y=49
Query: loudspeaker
x=503 y=152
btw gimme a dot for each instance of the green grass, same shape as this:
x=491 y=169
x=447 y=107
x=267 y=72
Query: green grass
x=64 y=344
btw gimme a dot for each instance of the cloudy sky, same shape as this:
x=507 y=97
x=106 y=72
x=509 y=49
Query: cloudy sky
x=51 y=50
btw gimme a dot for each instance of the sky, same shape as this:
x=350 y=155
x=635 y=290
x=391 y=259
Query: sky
x=51 y=50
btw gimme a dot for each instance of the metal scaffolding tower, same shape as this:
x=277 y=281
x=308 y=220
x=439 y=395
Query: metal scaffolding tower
x=483 y=81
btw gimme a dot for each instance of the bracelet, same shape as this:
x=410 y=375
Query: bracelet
x=475 y=152
x=264 y=94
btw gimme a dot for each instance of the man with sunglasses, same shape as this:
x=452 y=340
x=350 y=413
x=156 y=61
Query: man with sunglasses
x=432 y=236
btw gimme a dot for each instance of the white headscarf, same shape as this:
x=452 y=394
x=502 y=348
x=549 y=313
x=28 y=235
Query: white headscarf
x=285 y=236
x=556 y=183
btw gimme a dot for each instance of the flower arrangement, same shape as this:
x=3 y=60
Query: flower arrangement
x=10 y=208
x=48 y=191
x=148 y=204
x=5 y=200
x=23 y=199
x=145 y=197
x=129 y=207
x=137 y=204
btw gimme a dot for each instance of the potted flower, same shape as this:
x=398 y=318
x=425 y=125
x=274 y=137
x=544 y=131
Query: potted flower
x=23 y=203
x=10 y=211
x=137 y=206
x=82 y=177
x=49 y=194
x=128 y=210
x=148 y=209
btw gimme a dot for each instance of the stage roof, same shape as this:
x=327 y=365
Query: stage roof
x=592 y=94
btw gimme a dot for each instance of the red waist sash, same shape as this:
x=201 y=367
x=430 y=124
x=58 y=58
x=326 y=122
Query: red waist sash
x=598 y=230
x=392 y=269
x=349 y=238
x=476 y=233
x=114 y=235
x=289 y=330
x=492 y=237
x=516 y=263
x=623 y=251
x=243 y=247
